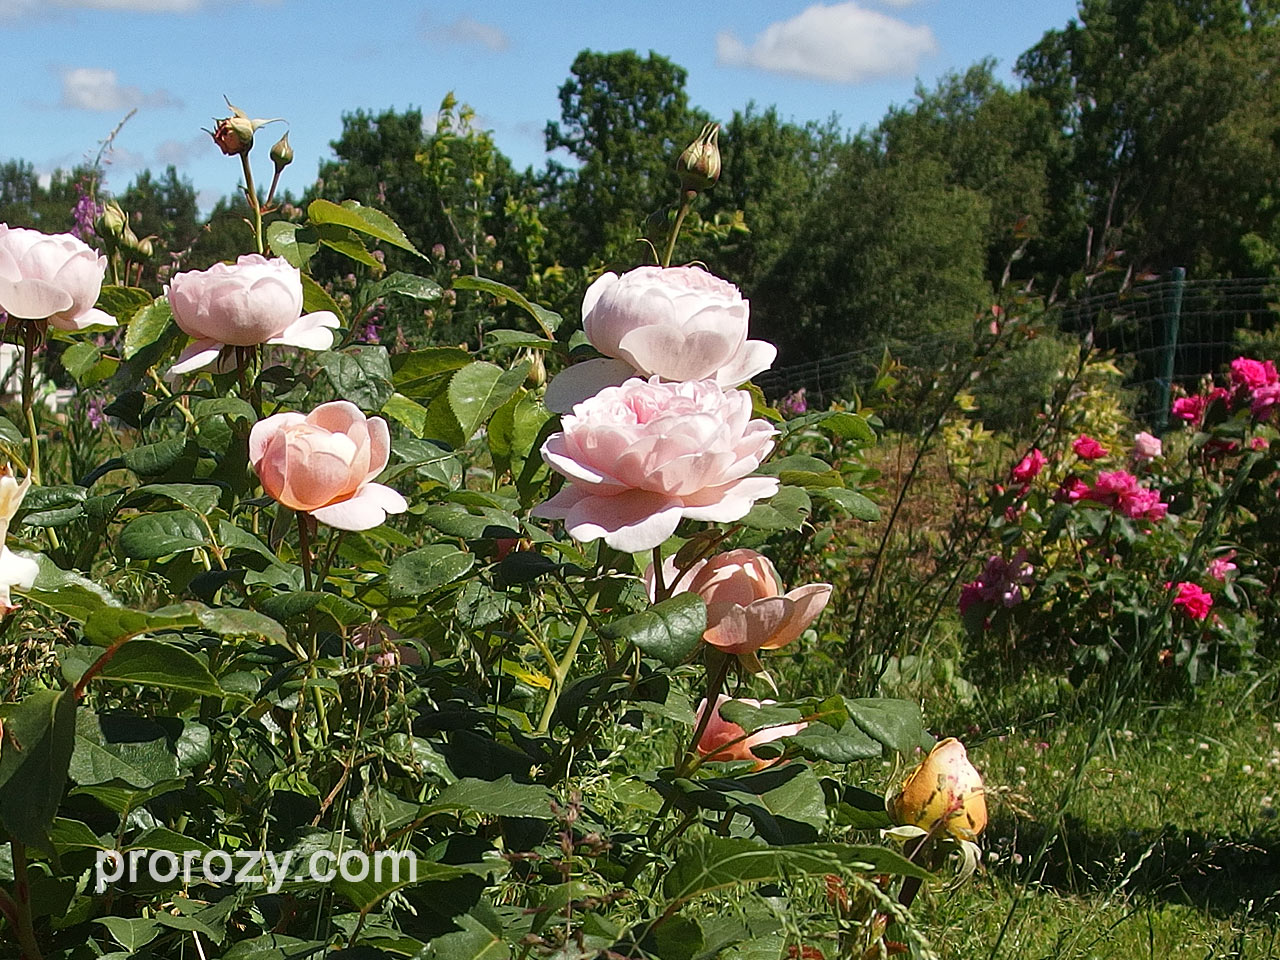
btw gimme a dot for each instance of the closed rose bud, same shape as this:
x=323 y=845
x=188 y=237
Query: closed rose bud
x=943 y=794
x=699 y=166
x=234 y=135
x=282 y=153
x=112 y=222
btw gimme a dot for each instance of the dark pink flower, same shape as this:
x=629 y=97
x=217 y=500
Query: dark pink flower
x=1190 y=409
x=1029 y=466
x=1192 y=600
x=1087 y=448
x=1220 y=567
x=1000 y=583
x=1252 y=373
x=1265 y=399
x=1072 y=489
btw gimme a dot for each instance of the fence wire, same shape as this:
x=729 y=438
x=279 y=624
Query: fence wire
x=1162 y=334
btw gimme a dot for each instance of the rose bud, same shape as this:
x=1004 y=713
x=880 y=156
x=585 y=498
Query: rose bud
x=282 y=153
x=943 y=793
x=699 y=166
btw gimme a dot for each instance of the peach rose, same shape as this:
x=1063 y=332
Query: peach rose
x=324 y=464
x=51 y=276
x=643 y=455
x=679 y=323
x=944 y=792
x=746 y=608
x=253 y=301
x=716 y=740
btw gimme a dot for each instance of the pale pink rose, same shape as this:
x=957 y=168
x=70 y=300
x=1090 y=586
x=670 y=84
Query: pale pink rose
x=1220 y=568
x=51 y=276
x=250 y=302
x=324 y=464
x=715 y=742
x=746 y=608
x=678 y=323
x=1146 y=446
x=643 y=455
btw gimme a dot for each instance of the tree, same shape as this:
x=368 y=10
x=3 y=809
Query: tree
x=625 y=119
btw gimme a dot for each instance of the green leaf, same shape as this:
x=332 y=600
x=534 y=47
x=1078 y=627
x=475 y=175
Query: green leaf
x=294 y=241
x=788 y=509
x=147 y=326
x=38 y=740
x=66 y=591
x=895 y=723
x=404 y=285
x=547 y=320
x=131 y=933
x=316 y=299
x=474 y=941
x=73 y=835
x=107 y=625
x=680 y=938
x=366 y=220
x=348 y=243
x=713 y=863
x=670 y=630
x=396 y=875
x=236 y=622
x=421 y=374
x=421 y=571
x=153 y=459
x=410 y=413
x=200 y=498
x=359 y=374
x=495 y=339
x=53 y=506
x=118 y=747
x=850 y=501
x=233 y=408
x=494 y=798
x=122 y=302
x=156 y=535
x=151 y=663
x=480 y=388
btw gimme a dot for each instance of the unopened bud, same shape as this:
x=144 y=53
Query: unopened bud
x=234 y=134
x=537 y=374
x=282 y=153
x=699 y=165
x=145 y=248
x=112 y=221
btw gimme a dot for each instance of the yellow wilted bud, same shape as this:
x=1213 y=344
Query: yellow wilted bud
x=699 y=165
x=944 y=793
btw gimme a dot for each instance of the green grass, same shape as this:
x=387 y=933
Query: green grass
x=1168 y=846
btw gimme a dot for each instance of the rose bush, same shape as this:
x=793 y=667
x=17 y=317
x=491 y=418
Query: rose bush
x=56 y=277
x=641 y=456
x=677 y=323
x=253 y=301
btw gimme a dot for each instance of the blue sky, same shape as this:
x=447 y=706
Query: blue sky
x=74 y=68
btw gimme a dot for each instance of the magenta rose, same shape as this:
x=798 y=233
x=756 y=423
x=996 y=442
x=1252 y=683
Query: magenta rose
x=1087 y=448
x=643 y=455
x=54 y=277
x=1192 y=600
x=1029 y=466
x=678 y=323
x=253 y=301
x=1252 y=374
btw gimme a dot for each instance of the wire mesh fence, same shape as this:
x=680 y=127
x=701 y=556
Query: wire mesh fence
x=1161 y=334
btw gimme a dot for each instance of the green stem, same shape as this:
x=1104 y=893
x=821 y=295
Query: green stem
x=251 y=194
x=715 y=683
x=29 y=338
x=304 y=548
x=561 y=672
x=686 y=203
x=25 y=928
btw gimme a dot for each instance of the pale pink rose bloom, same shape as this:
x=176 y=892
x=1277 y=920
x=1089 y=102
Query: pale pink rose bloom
x=15 y=571
x=678 y=323
x=324 y=464
x=641 y=456
x=1146 y=446
x=51 y=276
x=250 y=302
x=1220 y=568
x=715 y=742
x=746 y=608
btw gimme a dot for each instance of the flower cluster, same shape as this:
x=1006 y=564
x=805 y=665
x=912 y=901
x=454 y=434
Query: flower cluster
x=1000 y=583
x=1121 y=491
x=1255 y=384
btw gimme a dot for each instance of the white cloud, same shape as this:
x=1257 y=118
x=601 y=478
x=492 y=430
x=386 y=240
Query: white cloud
x=14 y=9
x=841 y=43
x=98 y=88
x=472 y=33
x=180 y=152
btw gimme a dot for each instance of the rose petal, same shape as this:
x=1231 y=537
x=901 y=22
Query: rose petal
x=199 y=353
x=805 y=604
x=314 y=331
x=32 y=299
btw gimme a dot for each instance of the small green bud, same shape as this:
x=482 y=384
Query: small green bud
x=111 y=223
x=282 y=153
x=699 y=165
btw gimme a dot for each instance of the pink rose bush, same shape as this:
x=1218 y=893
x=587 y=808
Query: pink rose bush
x=1255 y=384
x=718 y=739
x=677 y=323
x=253 y=301
x=324 y=464
x=641 y=456
x=1121 y=491
x=54 y=277
x=1087 y=448
x=746 y=608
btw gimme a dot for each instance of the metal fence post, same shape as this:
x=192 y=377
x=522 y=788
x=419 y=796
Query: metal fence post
x=1172 y=320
